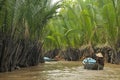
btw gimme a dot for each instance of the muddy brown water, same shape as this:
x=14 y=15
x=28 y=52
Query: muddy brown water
x=63 y=70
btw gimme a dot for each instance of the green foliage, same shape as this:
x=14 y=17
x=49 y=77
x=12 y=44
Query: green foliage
x=78 y=22
x=86 y=22
x=25 y=18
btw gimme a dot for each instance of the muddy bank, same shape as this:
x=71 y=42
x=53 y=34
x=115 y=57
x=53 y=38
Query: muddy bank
x=76 y=54
x=16 y=53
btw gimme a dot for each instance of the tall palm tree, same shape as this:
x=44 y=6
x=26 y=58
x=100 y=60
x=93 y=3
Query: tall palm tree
x=22 y=23
x=87 y=22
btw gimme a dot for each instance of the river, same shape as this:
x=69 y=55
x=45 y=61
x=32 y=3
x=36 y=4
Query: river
x=63 y=70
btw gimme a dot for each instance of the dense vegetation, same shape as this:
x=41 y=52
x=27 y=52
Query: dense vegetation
x=94 y=23
x=21 y=25
x=29 y=26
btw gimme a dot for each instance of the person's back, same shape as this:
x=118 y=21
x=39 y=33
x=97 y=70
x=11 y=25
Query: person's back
x=100 y=60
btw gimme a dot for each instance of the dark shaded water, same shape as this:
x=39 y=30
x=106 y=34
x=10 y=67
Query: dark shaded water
x=63 y=70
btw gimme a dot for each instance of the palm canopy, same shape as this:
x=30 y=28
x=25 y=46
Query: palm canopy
x=26 y=16
x=83 y=22
x=21 y=26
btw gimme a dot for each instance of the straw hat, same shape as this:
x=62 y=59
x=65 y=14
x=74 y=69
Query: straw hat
x=99 y=55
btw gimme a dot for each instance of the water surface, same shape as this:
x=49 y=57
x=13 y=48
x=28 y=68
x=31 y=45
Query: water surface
x=63 y=70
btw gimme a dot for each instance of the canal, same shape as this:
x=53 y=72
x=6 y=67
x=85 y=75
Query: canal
x=63 y=70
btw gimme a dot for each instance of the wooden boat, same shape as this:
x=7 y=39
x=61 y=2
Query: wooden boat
x=91 y=64
x=94 y=66
x=49 y=59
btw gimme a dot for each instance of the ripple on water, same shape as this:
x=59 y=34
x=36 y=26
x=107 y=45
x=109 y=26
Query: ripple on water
x=63 y=71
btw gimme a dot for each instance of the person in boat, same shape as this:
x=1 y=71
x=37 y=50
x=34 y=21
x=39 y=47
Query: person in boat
x=99 y=60
x=95 y=62
x=57 y=58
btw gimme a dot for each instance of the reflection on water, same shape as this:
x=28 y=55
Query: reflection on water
x=63 y=71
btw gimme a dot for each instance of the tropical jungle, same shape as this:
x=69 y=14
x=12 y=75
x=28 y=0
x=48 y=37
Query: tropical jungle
x=64 y=30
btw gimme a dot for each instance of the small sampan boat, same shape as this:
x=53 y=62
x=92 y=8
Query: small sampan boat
x=49 y=59
x=91 y=64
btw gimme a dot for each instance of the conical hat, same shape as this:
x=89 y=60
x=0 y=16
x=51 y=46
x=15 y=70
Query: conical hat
x=99 y=55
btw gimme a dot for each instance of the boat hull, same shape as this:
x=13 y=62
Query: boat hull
x=95 y=66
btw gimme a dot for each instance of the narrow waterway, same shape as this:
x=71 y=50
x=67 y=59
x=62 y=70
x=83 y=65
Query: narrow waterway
x=63 y=70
